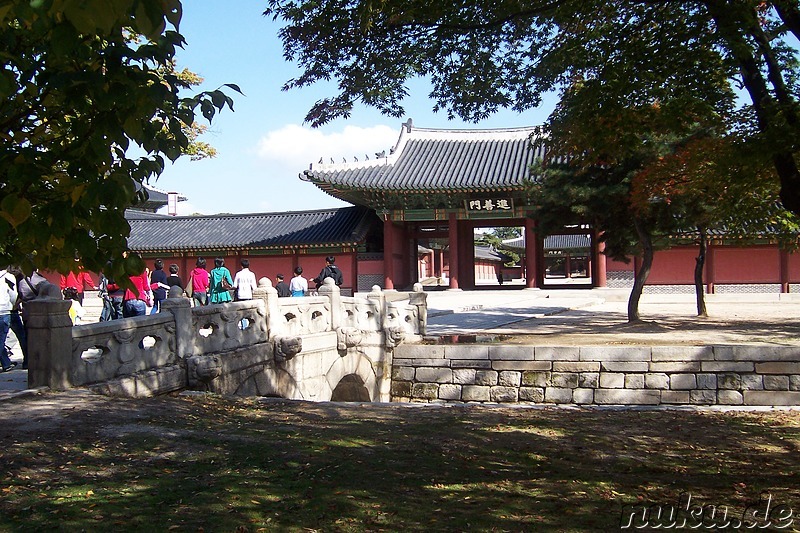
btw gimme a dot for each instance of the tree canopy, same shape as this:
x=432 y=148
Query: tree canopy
x=90 y=105
x=691 y=58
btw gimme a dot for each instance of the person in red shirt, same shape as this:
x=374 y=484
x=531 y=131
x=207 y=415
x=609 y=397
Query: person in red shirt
x=198 y=280
x=135 y=302
x=79 y=281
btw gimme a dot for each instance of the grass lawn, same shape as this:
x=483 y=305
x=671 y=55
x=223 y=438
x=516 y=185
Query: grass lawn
x=205 y=463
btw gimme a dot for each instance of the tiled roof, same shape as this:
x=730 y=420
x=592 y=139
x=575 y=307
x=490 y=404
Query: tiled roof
x=553 y=242
x=488 y=253
x=343 y=226
x=438 y=160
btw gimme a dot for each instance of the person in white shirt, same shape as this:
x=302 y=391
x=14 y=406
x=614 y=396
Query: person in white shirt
x=8 y=297
x=299 y=284
x=244 y=282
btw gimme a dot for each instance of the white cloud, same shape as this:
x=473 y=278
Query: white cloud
x=298 y=146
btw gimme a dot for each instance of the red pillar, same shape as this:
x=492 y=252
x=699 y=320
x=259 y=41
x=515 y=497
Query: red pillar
x=531 y=255
x=599 y=272
x=784 y=271
x=388 y=254
x=452 y=231
x=710 y=269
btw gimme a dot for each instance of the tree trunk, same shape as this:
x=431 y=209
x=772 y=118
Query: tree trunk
x=700 y=262
x=730 y=29
x=646 y=240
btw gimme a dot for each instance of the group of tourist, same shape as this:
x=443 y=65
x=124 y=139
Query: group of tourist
x=15 y=290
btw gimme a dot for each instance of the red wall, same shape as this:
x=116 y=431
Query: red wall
x=755 y=264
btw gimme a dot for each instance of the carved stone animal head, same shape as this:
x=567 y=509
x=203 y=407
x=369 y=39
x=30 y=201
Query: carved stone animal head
x=286 y=347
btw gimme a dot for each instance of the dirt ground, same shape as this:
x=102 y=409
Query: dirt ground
x=664 y=324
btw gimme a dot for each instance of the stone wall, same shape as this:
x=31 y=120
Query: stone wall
x=603 y=375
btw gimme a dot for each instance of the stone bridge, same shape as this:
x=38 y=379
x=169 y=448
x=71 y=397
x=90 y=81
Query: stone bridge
x=326 y=347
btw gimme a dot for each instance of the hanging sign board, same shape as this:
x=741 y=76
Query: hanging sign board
x=488 y=205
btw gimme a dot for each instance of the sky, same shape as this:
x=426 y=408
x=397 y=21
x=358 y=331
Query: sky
x=263 y=144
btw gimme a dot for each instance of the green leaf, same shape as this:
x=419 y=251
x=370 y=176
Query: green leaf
x=15 y=210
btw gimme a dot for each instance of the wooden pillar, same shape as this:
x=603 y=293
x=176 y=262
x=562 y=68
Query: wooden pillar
x=784 y=258
x=599 y=265
x=710 y=269
x=354 y=266
x=452 y=233
x=388 y=254
x=531 y=257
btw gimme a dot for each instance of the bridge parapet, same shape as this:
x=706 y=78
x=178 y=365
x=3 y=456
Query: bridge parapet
x=229 y=348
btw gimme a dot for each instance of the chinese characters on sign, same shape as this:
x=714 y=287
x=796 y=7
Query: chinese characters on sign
x=489 y=204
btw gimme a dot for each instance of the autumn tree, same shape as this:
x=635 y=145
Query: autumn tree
x=89 y=107
x=483 y=56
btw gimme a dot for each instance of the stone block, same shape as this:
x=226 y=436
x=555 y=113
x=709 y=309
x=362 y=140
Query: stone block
x=557 y=395
x=434 y=375
x=612 y=380
x=425 y=362
x=556 y=353
x=627 y=396
x=535 y=379
x=794 y=382
x=576 y=366
x=531 y=394
x=475 y=393
x=485 y=377
x=729 y=397
x=706 y=381
x=511 y=352
x=425 y=391
x=626 y=367
x=583 y=396
x=614 y=353
x=563 y=380
x=466 y=351
x=401 y=389
x=509 y=378
x=756 y=352
x=703 y=397
x=778 y=368
x=776 y=382
x=675 y=396
x=403 y=373
x=470 y=363
x=656 y=380
x=752 y=382
x=753 y=397
x=449 y=391
x=589 y=380
x=634 y=381
x=727 y=366
x=729 y=381
x=501 y=394
x=682 y=353
x=682 y=382
x=419 y=351
x=464 y=376
x=674 y=367
x=522 y=365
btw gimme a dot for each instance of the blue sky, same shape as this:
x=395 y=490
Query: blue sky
x=263 y=145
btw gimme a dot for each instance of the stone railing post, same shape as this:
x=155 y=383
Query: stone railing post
x=419 y=298
x=334 y=294
x=377 y=296
x=49 y=340
x=269 y=294
x=181 y=309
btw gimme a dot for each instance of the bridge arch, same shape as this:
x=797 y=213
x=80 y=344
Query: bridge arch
x=275 y=382
x=352 y=376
